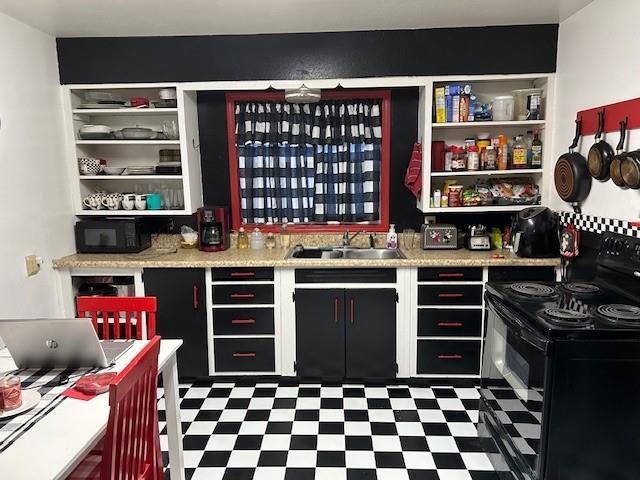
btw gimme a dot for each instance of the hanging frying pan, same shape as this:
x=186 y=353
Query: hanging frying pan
x=630 y=170
x=600 y=154
x=616 y=162
x=571 y=175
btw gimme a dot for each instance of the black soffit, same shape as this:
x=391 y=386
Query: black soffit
x=443 y=51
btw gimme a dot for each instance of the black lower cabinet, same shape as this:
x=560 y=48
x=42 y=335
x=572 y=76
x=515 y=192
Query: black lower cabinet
x=346 y=333
x=320 y=333
x=182 y=314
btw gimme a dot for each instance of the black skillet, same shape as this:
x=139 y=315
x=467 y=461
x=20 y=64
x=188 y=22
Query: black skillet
x=616 y=162
x=571 y=174
x=600 y=154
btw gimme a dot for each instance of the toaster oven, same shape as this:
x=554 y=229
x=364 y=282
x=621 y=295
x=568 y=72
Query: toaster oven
x=439 y=236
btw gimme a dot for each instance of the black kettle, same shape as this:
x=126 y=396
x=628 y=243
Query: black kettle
x=534 y=233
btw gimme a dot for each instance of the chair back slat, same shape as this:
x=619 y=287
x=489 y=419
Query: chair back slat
x=135 y=309
x=132 y=441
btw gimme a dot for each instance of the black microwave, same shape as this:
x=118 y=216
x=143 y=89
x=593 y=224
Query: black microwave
x=121 y=235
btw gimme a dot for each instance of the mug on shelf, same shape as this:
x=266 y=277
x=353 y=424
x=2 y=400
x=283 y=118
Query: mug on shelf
x=154 y=201
x=112 y=201
x=93 y=201
x=141 y=202
x=89 y=166
x=128 y=201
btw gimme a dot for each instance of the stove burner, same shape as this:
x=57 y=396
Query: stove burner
x=578 y=288
x=533 y=290
x=566 y=317
x=620 y=314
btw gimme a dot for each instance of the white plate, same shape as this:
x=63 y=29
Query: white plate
x=30 y=398
x=102 y=106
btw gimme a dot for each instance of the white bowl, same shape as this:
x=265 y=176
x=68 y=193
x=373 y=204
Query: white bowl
x=113 y=170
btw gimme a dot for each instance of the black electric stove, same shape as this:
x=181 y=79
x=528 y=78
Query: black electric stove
x=560 y=396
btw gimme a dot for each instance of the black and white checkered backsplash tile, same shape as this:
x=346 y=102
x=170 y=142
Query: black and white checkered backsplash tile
x=591 y=223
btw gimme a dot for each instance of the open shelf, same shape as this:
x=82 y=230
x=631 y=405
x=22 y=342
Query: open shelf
x=127 y=142
x=130 y=177
x=480 y=208
x=511 y=123
x=488 y=173
x=125 y=111
x=130 y=213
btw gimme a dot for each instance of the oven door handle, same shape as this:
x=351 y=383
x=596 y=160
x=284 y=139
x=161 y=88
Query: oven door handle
x=515 y=322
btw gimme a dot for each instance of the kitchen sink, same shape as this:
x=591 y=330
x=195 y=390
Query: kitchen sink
x=344 y=253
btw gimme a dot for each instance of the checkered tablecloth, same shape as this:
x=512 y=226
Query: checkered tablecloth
x=47 y=382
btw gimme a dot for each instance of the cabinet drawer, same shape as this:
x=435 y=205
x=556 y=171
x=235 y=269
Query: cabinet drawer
x=242 y=294
x=448 y=357
x=521 y=274
x=243 y=321
x=442 y=322
x=453 y=274
x=244 y=355
x=450 y=295
x=241 y=274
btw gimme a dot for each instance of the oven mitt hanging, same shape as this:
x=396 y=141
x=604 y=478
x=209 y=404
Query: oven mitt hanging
x=413 y=177
x=569 y=241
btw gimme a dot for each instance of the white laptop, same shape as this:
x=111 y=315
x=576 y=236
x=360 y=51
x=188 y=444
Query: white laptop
x=58 y=343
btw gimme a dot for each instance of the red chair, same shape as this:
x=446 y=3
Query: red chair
x=133 y=308
x=131 y=447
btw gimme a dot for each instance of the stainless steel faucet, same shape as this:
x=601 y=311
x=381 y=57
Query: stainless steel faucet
x=346 y=240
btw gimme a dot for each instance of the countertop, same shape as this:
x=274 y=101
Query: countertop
x=193 y=258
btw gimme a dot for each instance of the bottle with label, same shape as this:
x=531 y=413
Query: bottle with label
x=285 y=236
x=473 y=158
x=536 y=151
x=392 y=237
x=243 y=239
x=528 y=140
x=519 y=153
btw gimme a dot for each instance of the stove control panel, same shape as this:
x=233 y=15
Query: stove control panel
x=620 y=252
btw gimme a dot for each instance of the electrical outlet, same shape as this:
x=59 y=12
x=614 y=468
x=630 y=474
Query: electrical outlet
x=429 y=219
x=33 y=263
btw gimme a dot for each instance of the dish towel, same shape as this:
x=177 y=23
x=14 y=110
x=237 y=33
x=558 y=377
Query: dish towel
x=413 y=177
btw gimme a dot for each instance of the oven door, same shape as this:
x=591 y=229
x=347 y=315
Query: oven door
x=514 y=370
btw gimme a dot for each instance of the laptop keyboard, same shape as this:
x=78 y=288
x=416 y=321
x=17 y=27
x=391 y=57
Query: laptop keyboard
x=114 y=348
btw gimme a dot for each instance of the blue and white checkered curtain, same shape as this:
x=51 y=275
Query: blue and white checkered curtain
x=309 y=163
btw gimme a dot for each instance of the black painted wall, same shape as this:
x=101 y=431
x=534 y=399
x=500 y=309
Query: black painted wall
x=505 y=49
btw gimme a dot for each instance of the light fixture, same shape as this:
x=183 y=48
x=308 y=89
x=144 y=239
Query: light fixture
x=303 y=94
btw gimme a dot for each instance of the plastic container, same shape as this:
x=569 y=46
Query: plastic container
x=503 y=108
x=527 y=103
x=473 y=159
x=256 y=240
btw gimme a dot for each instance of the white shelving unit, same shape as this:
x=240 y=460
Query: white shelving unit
x=125 y=153
x=485 y=87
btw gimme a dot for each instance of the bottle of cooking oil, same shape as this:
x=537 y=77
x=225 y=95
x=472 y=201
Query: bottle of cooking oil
x=536 y=151
x=243 y=239
x=519 y=152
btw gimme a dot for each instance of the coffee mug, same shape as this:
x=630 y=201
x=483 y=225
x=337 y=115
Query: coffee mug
x=154 y=201
x=141 y=202
x=93 y=201
x=112 y=201
x=128 y=201
x=89 y=166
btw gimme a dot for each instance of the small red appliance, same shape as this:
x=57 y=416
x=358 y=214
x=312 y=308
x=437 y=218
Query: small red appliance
x=213 y=229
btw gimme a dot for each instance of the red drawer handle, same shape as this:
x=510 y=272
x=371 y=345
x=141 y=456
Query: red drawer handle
x=353 y=312
x=243 y=274
x=195 y=297
x=450 y=295
x=451 y=275
x=450 y=357
x=242 y=321
x=450 y=324
x=242 y=295
x=248 y=354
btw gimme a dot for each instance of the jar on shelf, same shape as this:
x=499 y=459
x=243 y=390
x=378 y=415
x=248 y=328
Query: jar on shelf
x=489 y=159
x=459 y=160
x=473 y=159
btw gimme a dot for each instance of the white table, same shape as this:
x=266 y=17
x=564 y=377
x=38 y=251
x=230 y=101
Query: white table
x=57 y=443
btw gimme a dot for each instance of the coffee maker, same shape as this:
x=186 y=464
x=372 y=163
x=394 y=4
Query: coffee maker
x=213 y=228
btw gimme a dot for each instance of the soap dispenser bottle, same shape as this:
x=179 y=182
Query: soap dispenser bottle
x=392 y=237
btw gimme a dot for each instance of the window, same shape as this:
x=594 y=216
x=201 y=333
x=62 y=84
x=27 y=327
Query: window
x=321 y=166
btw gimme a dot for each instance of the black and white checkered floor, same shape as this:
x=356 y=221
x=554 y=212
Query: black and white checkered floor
x=285 y=430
